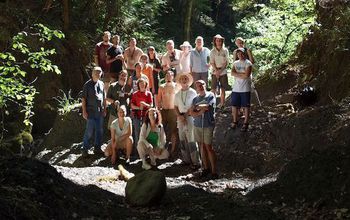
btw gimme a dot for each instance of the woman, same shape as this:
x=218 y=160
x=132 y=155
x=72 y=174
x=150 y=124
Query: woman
x=157 y=67
x=121 y=136
x=147 y=69
x=185 y=57
x=132 y=82
x=152 y=139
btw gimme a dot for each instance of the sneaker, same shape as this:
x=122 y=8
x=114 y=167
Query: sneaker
x=153 y=163
x=84 y=153
x=98 y=152
x=127 y=162
x=146 y=166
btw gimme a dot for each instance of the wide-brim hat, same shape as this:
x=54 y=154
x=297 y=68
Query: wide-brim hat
x=188 y=75
x=240 y=49
x=186 y=44
x=218 y=36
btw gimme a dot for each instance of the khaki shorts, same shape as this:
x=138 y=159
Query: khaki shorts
x=207 y=137
x=169 y=120
x=223 y=82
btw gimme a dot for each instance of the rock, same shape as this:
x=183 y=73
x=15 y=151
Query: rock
x=146 y=188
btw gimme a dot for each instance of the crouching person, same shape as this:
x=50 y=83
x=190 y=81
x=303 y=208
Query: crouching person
x=152 y=139
x=121 y=136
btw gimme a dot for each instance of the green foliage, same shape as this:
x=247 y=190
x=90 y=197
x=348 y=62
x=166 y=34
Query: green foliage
x=16 y=60
x=67 y=103
x=276 y=30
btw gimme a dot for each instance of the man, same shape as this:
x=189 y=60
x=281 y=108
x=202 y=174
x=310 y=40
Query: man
x=94 y=109
x=203 y=112
x=248 y=53
x=100 y=56
x=132 y=55
x=171 y=58
x=240 y=97
x=117 y=95
x=199 y=61
x=115 y=57
x=183 y=102
x=166 y=100
x=219 y=60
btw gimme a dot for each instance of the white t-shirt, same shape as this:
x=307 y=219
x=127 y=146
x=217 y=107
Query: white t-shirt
x=242 y=85
x=183 y=99
x=185 y=63
x=219 y=58
x=119 y=132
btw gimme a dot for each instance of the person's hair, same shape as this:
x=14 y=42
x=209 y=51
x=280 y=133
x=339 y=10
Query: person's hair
x=214 y=43
x=137 y=63
x=199 y=37
x=170 y=42
x=116 y=36
x=122 y=107
x=145 y=55
x=155 y=53
x=132 y=39
x=157 y=117
x=123 y=71
x=241 y=39
x=108 y=33
x=143 y=80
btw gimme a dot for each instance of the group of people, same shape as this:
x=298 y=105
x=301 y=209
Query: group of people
x=149 y=115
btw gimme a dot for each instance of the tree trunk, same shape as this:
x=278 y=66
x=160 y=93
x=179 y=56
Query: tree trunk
x=65 y=15
x=187 y=20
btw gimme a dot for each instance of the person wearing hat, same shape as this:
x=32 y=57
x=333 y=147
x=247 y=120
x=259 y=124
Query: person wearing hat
x=141 y=101
x=147 y=69
x=240 y=97
x=199 y=61
x=185 y=57
x=94 y=109
x=248 y=53
x=183 y=102
x=202 y=110
x=219 y=56
x=171 y=59
x=166 y=99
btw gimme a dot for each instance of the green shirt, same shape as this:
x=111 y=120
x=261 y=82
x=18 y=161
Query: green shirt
x=153 y=138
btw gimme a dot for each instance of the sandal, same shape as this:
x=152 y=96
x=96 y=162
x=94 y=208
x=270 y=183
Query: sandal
x=244 y=127
x=234 y=125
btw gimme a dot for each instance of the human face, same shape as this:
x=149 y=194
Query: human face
x=169 y=77
x=138 y=68
x=170 y=46
x=106 y=37
x=115 y=40
x=199 y=43
x=122 y=77
x=218 y=42
x=200 y=88
x=142 y=86
x=121 y=113
x=143 y=59
x=184 y=81
x=96 y=75
x=152 y=114
x=240 y=55
x=185 y=49
x=132 y=42
x=239 y=43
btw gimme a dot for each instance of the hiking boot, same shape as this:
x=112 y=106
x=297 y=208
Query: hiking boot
x=127 y=162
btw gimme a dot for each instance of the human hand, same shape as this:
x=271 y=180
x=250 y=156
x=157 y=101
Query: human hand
x=85 y=115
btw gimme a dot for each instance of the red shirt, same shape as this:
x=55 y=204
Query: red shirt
x=101 y=53
x=138 y=97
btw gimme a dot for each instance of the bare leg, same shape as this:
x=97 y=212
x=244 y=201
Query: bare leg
x=222 y=96
x=234 y=114
x=246 y=115
x=212 y=157
x=128 y=147
x=114 y=154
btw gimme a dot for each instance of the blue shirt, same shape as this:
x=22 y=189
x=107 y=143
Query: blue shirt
x=94 y=96
x=199 y=60
x=208 y=119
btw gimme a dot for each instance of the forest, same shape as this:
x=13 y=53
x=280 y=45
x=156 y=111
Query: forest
x=292 y=163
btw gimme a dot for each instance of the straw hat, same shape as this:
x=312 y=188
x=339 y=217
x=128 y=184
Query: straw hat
x=181 y=75
x=218 y=36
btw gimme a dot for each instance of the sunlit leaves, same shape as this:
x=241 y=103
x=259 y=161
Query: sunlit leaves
x=13 y=63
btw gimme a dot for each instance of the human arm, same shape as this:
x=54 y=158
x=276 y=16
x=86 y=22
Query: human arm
x=83 y=106
x=159 y=97
x=113 y=139
x=180 y=116
x=250 y=56
x=144 y=131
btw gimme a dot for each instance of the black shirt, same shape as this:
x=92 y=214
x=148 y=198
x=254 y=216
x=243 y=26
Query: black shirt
x=117 y=65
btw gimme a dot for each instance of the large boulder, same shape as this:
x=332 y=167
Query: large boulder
x=146 y=188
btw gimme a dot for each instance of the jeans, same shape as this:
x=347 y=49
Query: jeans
x=136 y=123
x=93 y=123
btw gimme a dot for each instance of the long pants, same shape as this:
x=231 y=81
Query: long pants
x=94 y=123
x=188 y=146
x=136 y=123
x=144 y=150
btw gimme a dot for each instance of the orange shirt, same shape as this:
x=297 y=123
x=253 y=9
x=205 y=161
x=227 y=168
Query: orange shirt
x=148 y=71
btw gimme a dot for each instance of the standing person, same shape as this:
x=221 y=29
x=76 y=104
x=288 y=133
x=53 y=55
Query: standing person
x=199 y=61
x=115 y=57
x=132 y=55
x=147 y=69
x=121 y=136
x=240 y=97
x=185 y=57
x=141 y=101
x=137 y=74
x=100 y=55
x=117 y=95
x=171 y=58
x=94 y=109
x=203 y=112
x=166 y=100
x=219 y=60
x=157 y=67
x=152 y=139
x=183 y=102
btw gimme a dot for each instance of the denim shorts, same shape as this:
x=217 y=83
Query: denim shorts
x=240 y=99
